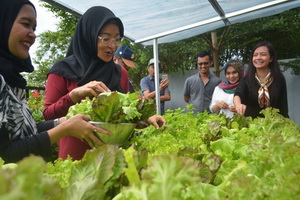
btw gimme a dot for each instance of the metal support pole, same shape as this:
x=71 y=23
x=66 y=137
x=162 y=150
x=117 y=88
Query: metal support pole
x=156 y=75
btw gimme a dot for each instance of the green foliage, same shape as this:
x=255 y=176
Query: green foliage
x=115 y=107
x=35 y=102
x=293 y=65
x=197 y=156
x=167 y=177
x=131 y=170
x=27 y=181
x=91 y=178
x=95 y=174
x=242 y=162
x=241 y=37
x=182 y=130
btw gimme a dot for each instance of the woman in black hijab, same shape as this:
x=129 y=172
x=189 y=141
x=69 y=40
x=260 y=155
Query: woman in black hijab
x=87 y=70
x=82 y=63
x=20 y=136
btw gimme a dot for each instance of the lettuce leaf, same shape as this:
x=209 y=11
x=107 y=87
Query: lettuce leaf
x=115 y=107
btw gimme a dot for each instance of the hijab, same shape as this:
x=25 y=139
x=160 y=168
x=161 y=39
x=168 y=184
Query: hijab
x=226 y=85
x=82 y=63
x=15 y=116
x=10 y=65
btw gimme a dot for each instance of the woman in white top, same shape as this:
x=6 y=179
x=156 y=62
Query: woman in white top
x=222 y=99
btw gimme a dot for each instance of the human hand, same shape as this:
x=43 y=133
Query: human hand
x=164 y=84
x=91 y=89
x=157 y=121
x=232 y=108
x=223 y=105
x=62 y=119
x=240 y=108
x=79 y=127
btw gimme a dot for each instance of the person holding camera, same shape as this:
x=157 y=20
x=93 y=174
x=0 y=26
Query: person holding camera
x=147 y=85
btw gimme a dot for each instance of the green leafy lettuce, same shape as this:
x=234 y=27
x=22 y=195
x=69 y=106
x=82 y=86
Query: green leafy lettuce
x=115 y=107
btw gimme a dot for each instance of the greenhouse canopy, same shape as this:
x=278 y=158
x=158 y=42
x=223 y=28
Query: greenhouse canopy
x=173 y=20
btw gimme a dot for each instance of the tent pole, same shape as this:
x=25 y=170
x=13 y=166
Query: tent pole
x=156 y=75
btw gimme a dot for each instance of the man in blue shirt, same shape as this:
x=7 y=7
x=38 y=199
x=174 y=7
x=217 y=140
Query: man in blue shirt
x=148 y=87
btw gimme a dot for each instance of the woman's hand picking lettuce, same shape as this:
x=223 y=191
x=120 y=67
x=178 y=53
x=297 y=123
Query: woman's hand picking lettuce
x=115 y=107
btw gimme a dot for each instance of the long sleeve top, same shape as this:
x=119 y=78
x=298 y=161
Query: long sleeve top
x=20 y=136
x=37 y=144
x=278 y=97
x=57 y=103
x=220 y=95
x=57 y=98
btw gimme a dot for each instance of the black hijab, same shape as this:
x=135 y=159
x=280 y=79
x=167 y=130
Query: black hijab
x=82 y=63
x=10 y=65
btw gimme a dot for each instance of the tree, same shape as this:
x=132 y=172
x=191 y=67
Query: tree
x=236 y=41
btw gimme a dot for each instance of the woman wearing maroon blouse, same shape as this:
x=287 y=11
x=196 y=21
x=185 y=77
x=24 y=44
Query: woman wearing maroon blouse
x=87 y=70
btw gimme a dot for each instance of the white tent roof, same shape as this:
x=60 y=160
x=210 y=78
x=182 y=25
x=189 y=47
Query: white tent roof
x=173 y=20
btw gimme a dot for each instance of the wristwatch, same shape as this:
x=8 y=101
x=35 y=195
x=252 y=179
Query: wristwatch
x=56 y=122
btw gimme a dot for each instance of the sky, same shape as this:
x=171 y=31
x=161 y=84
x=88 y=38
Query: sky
x=45 y=21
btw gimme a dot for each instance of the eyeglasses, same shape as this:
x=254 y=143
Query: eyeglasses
x=108 y=41
x=203 y=63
